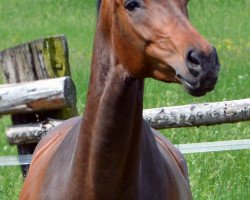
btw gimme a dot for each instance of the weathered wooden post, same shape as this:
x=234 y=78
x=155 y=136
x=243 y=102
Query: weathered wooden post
x=40 y=59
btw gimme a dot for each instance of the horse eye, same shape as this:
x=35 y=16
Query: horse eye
x=131 y=5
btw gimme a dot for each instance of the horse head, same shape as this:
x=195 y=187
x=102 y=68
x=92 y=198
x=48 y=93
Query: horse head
x=167 y=47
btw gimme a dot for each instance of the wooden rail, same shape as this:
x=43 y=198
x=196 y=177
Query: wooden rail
x=30 y=133
x=33 y=96
x=198 y=114
x=158 y=118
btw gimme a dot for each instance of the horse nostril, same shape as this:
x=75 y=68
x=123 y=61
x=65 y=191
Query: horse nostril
x=193 y=63
x=193 y=58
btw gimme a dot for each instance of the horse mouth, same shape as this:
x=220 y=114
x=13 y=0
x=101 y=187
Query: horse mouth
x=192 y=88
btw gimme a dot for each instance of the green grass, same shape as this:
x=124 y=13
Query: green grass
x=225 y=23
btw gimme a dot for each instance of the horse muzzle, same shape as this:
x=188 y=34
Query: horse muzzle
x=202 y=72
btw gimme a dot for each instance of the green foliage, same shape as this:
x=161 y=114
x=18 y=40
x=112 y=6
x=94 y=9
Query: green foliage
x=225 y=23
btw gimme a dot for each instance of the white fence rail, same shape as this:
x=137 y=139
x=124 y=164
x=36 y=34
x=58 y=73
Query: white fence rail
x=184 y=148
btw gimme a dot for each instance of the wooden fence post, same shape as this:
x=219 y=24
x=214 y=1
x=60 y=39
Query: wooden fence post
x=39 y=59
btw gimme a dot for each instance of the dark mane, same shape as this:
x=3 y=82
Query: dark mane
x=98 y=4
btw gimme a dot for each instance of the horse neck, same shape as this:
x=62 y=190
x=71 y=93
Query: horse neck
x=110 y=134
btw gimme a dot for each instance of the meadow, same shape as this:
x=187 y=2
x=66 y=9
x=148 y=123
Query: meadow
x=225 y=23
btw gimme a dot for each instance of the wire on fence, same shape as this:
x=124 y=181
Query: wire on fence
x=184 y=148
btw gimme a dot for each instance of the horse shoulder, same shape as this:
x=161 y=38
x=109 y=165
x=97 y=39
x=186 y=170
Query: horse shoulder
x=173 y=151
x=169 y=167
x=42 y=157
x=177 y=164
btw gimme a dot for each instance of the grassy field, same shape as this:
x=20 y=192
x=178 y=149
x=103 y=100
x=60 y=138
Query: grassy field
x=225 y=23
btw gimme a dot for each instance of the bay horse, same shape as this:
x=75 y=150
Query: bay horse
x=111 y=153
